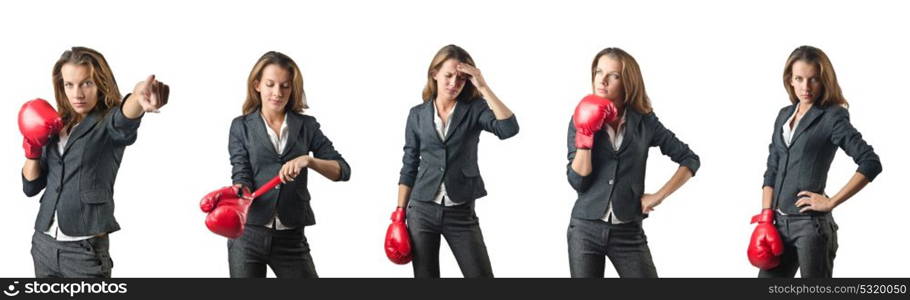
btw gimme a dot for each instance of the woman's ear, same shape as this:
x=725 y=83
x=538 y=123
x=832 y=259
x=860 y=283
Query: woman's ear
x=256 y=85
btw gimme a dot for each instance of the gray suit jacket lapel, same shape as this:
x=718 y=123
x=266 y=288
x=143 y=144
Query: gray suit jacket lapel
x=632 y=120
x=84 y=127
x=458 y=116
x=810 y=117
x=779 y=137
x=294 y=124
x=430 y=118
x=259 y=132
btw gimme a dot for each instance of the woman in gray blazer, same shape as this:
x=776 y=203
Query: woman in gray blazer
x=77 y=167
x=274 y=137
x=805 y=138
x=440 y=178
x=610 y=176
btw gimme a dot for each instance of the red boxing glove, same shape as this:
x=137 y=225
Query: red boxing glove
x=38 y=121
x=590 y=115
x=766 y=246
x=397 y=241
x=227 y=209
x=211 y=199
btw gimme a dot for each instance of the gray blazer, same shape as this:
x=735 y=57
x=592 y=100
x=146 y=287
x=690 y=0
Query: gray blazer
x=255 y=162
x=804 y=165
x=618 y=175
x=80 y=183
x=428 y=160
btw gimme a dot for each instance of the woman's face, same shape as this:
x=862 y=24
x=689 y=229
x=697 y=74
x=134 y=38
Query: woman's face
x=805 y=82
x=79 y=87
x=274 y=88
x=608 y=80
x=449 y=82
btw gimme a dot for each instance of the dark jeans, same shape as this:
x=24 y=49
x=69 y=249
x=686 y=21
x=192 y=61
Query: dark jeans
x=77 y=259
x=459 y=225
x=810 y=244
x=285 y=251
x=590 y=241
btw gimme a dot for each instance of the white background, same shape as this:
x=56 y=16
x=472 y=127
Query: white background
x=712 y=69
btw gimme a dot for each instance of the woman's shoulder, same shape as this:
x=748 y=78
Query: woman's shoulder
x=417 y=108
x=836 y=112
x=478 y=102
x=785 y=111
x=304 y=119
x=835 y=108
x=785 y=108
x=648 y=117
x=242 y=118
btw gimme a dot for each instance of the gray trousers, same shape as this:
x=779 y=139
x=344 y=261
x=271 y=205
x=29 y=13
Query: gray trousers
x=592 y=241
x=810 y=244
x=427 y=221
x=77 y=259
x=285 y=251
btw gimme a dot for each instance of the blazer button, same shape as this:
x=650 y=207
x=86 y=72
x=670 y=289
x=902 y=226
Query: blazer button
x=611 y=181
x=58 y=189
x=442 y=169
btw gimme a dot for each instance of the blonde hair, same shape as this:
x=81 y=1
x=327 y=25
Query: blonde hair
x=297 y=101
x=469 y=92
x=831 y=93
x=633 y=83
x=108 y=92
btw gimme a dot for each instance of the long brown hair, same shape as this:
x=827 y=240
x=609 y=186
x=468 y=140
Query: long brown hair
x=831 y=93
x=632 y=82
x=108 y=93
x=469 y=92
x=297 y=100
